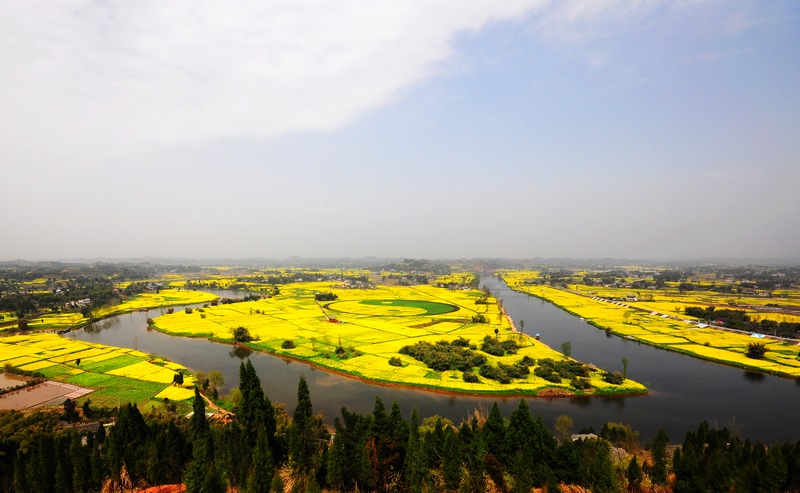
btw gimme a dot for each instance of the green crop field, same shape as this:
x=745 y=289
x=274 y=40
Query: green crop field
x=115 y=374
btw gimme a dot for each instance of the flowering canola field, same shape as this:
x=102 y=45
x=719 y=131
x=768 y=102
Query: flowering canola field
x=655 y=323
x=357 y=334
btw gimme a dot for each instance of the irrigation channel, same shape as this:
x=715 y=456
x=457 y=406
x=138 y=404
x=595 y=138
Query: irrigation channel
x=683 y=391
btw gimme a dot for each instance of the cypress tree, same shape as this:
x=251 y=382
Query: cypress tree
x=473 y=450
x=20 y=480
x=127 y=444
x=259 y=478
x=494 y=432
x=596 y=467
x=434 y=445
x=335 y=476
x=567 y=461
x=634 y=475
x=81 y=472
x=772 y=471
x=519 y=448
x=202 y=474
x=198 y=422
x=62 y=480
x=658 y=450
x=304 y=444
x=415 y=456
x=253 y=413
x=399 y=435
x=451 y=464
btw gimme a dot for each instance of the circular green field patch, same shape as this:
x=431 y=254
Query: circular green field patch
x=391 y=308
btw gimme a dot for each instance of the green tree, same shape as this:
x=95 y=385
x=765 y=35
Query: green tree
x=304 y=437
x=241 y=335
x=215 y=379
x=596 y=468
x=198 y=422
x=451 y=464
x=126 y=444
x=756 y=350
x=202 y=474
x=564 y=425
x=634 y=475
x=566 y=349
x=259 y=478
x=70 y=411
x=415 y=456
x=494 y=433
x=658 y=450
x=336 y=464
x=772 y=471
x=253 y=411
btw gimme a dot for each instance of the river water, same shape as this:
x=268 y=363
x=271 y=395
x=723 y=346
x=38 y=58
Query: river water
x=683 y=391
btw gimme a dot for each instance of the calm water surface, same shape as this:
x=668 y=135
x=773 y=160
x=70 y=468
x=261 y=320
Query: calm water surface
x=683 y=391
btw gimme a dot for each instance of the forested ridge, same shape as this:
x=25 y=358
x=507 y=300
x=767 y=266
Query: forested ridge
x=267 y=449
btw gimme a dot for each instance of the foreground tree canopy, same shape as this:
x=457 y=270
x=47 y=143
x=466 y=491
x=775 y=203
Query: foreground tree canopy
x=265 y=448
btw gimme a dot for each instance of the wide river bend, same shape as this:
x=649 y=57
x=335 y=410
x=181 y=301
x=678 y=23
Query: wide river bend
x=683 y=391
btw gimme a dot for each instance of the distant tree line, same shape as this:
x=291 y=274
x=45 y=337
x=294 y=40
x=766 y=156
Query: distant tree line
x=739 y=319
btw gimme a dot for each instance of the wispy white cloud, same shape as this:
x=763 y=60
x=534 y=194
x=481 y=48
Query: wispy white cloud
x=82 y=76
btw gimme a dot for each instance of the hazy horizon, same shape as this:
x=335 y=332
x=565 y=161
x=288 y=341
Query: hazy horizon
x=523 y=129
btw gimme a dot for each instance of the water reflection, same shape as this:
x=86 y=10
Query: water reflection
x=240 y=352
x=582 y=401
x=754 y=376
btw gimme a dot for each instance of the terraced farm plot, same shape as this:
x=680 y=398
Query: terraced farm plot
x=362 y=329
x=116 y=374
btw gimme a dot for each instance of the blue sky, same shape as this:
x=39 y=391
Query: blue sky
x=583 y=129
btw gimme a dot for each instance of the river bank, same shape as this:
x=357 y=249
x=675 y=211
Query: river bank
x=664 y=332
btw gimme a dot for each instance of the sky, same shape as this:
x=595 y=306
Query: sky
x=644 y=129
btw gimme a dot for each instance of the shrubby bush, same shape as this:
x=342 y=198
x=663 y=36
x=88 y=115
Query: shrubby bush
x=581 y=383
x=288 y=344
x=494 y=347
x=756 y=350
x=615 y=378
x=444 y=355
x=471 y=377
x=460 y=342
x=504 y=373
x=241 y=334
x=554 y=371
x=395 y=361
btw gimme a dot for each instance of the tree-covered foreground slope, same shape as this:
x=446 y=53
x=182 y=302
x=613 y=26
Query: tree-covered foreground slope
x=265 y=448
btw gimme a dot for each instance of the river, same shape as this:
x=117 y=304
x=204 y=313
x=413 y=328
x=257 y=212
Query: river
x=683 y=391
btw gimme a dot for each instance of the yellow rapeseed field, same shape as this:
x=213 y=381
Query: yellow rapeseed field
x=370 y=326
x=661 y=322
